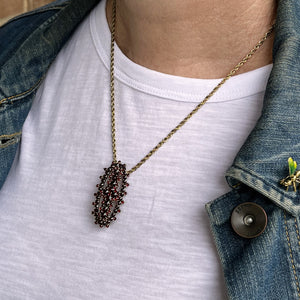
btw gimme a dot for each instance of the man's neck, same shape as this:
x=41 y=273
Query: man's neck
x=190 y=38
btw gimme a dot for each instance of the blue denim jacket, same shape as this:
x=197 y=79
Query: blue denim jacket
x=264 y=267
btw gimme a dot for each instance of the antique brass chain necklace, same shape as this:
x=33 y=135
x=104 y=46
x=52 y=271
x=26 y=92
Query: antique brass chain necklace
x=111 y=188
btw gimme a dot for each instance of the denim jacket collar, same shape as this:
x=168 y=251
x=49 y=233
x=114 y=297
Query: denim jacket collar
x=262 y=161
x=44 y=38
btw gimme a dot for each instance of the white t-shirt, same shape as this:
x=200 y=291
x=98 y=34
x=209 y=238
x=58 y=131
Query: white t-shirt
x=160 y=247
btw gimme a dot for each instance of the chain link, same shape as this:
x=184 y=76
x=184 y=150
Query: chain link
x=112 y=82
x=194 y=111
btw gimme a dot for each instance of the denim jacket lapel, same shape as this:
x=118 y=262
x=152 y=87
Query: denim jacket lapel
x=28 y=45
x=33 y=46
x=262 y=161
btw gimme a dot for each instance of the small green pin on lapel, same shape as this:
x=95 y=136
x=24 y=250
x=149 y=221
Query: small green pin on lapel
x=293 y=178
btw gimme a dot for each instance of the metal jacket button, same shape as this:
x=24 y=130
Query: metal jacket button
x=249 y=220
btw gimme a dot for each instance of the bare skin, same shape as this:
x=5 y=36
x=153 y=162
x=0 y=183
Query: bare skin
x=194 y=38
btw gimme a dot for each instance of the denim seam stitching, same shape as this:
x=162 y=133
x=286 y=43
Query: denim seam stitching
x=291 y=255
x=264 y=181
x=10 y=135
x=14 y=137
x=24 y=93
x=297 y=230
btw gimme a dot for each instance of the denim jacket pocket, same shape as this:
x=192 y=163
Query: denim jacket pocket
x=263 y=267
x=266 y=266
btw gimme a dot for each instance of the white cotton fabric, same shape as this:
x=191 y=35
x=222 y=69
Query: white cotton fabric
x=161 y=246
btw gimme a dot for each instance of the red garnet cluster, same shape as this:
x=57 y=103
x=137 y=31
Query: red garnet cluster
x=111 y=191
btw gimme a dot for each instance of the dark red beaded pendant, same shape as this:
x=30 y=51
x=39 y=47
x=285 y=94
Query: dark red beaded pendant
x=111 y=191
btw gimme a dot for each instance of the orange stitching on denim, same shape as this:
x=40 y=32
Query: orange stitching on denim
x=297 y=230
x=291 y=255
x=10 y=136
x=22 y=94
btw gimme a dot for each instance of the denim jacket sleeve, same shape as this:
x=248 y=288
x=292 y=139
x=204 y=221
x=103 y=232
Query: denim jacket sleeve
x=263 y=267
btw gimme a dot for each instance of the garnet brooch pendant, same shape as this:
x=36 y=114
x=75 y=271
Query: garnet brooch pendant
x=111 y=191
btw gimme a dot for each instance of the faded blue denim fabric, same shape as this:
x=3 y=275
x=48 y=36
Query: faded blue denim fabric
x=28 y=45
x=265 y=267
